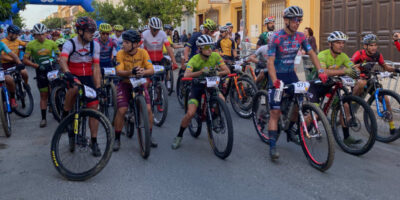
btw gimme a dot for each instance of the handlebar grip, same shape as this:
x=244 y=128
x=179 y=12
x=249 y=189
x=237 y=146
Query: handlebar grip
x=232 y=75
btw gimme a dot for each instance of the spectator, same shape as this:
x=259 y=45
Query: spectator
x=309 y=33
x=189 y=36
x=26 y=36
x=184 y=37
x=176 y=37
x=237 y=41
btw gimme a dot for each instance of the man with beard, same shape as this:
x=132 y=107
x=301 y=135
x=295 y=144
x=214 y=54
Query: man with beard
x=263 y=39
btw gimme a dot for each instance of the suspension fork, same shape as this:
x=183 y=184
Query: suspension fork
x=7 y=98
x=237 y=87
x=377 y=103
x=77 y=110
x=252 y=72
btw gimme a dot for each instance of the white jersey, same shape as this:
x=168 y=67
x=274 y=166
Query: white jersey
x=154 y=45
x=119 y=41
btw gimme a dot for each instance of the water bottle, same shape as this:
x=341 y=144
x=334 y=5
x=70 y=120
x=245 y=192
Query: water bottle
x=278 y=93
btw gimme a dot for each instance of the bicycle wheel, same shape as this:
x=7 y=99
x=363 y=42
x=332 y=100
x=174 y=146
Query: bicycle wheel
x=180 y=90
x=57 y=98
x=261 y=114
x=242 y=104
x=384 y=134
x=24 y=99
x=129 y=122
x=160 y=104
x=109 y=106
x=195 y=125
x=4 y=115
x=170 y=83
x=220 y=129
x=142 y=126
x=362 y=125
x=318 y=145
x=78 y=163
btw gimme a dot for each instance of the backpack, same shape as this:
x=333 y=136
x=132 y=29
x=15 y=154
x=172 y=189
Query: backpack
x=74 y=49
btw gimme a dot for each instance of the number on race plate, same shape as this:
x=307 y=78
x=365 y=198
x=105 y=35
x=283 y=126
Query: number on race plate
x=52 y=75
x=158 y=68
x=109 y=71
x=2 y=78
x=347 y=81
x=212 y=81
x=137 y=82
x=301 y=87
x=90 y=92
x=238 y=67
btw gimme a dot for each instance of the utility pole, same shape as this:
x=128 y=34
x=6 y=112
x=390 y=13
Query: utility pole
x=244 y=27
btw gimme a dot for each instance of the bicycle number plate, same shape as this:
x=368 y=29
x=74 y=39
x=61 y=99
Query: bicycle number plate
x=109 y=71
x=301 y=87
x=90 y=92
x=238 y=67
x=347 y=81
x=212 y=82
x=385 y=74
x=52 y=75
x=137 y=82
x=2 y=78
x=158 y=69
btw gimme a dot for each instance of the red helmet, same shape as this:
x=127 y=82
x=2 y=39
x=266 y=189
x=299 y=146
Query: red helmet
x=86 y=23
x=56 y=33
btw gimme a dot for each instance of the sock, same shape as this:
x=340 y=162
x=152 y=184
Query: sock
x=44 y=114
x=391 y=124
x=346 y=132
x=181 y=130
x=117 y=135
x=94 y=140
x=272 y=138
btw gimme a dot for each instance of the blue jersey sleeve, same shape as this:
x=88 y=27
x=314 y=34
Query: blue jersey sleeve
x=304 y=43
x=3 y=47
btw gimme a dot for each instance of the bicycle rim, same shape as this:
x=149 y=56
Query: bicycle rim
x=143 y=127
x=260 y=115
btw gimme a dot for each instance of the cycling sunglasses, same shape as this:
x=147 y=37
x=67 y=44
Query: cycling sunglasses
x=207 y=47
x=297 y=19
x=105 y=33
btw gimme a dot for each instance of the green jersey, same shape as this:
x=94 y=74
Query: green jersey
x=329 y=62
x=38 y=50
x=197 y=63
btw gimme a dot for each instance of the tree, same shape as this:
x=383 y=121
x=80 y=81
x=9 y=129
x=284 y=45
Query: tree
x=5 y=8
x=18 y=21
x=54 y=22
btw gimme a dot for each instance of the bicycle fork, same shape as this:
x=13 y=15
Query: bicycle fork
x=377 y=103
x=7 y=99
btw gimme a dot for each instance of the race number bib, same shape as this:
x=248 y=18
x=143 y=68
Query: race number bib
x=90 y=92
x=109 y=71
x=301 y=87
x=347 y=81
x=158 y=68
x=385 y=74
x=238 y=67
x=137 y=82
x=2 y=78
x=52 y=75
x=212 y=82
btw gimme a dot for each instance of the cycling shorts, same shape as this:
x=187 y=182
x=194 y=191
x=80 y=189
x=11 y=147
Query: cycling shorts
x=124 y=94
x=286 y=78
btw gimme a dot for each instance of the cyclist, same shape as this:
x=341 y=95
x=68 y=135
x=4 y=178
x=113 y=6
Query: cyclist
x=131 y=60
x=226 y=46
x=118 y=29
x=282 y=50
x=107 y=45
x=41 y=50
x=67 y=34
x=332 y=61
x=55 y=35
x=26 y=36
x=260 y=57
x=396 y=39
x=80 y=59
x=13 y=43
x=269 y=22
x=370 y=54
x=200 y=65
x=230 y=30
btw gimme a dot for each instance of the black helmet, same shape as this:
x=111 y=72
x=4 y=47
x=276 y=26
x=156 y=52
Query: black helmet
x=168 y=27
x=13 y=29
x=132 y=36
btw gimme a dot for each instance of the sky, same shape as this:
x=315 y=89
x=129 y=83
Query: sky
x=34 y=13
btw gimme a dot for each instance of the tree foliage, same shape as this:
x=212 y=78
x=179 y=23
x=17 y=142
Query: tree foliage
x=5 y=8
x=18 y=21
x=54 y=22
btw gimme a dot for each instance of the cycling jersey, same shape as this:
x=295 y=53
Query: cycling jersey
x=397 y=44
x=119 y=41
x=13 y=46
x=226 y=46
x=4 y=48
x=262 y=53
x=164 y=48
x=263 y=39
x=362 y=57
x=329 y=62
x=284 y=48
x=127 y=62
x=154 y=44
x=80 y=61
x=192 y=44
x=106 y=51
x=26 y=38
x=197 y=63
x=38 y=50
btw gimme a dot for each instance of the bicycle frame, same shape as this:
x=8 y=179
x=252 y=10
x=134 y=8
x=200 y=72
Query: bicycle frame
x=7 y=98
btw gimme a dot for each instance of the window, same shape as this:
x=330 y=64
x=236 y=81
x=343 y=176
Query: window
x=274 y=8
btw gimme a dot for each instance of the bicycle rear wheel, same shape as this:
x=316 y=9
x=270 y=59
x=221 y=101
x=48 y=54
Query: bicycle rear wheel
x=242 y=105
x=220 y=129
x=24 y=99
x=57 y=98
x=260 y=114
x=71 y=153
x=362 y=125
x=143 y=126
x=4 y=115
x=195 y=125
x=317 y=145
x=385 y=134
x=109 y=106
x=160 y=104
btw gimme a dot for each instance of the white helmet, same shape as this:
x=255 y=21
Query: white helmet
x=39 y=29
x=155 y=23
x=223 y=28
x=201 y=27
x=337 y=36
x=204 y=40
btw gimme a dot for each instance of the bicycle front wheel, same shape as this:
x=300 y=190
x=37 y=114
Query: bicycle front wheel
x=317 y=142
x=57 y=98
x=24 y=100
x=242 y=96
x=260 y=114
x=180 y=90
x=220 y=129
x=72 y=153
x=4 y=115
x=143 y=126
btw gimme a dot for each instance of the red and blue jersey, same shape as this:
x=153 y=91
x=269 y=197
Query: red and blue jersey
x=284 y=48
x=106 y=51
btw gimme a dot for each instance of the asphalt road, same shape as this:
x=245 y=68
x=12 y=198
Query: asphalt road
x=193 y=171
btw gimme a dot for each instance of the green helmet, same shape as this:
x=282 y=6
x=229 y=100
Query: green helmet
x=210 y=25
x=60 y=41
x=104 y=27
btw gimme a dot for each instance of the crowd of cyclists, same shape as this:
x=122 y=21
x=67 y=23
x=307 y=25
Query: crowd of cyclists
x=209 y=62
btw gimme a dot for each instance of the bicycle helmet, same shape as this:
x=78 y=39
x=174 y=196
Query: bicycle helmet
x=39 y=29
x=337 y=36
x=229 y=24
x=223 y=28
x=292 y=11
x=132 y=36
x=168 y=27
x=155 y=23
x=60 y=41
x=201 y=27
x=85 y=23
x=204 y=40
x=210 y=25
x=13 y=29
x=370 y=39
x=269 y=19
x=56 y=34
x=104 y=27
x=118 y=27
